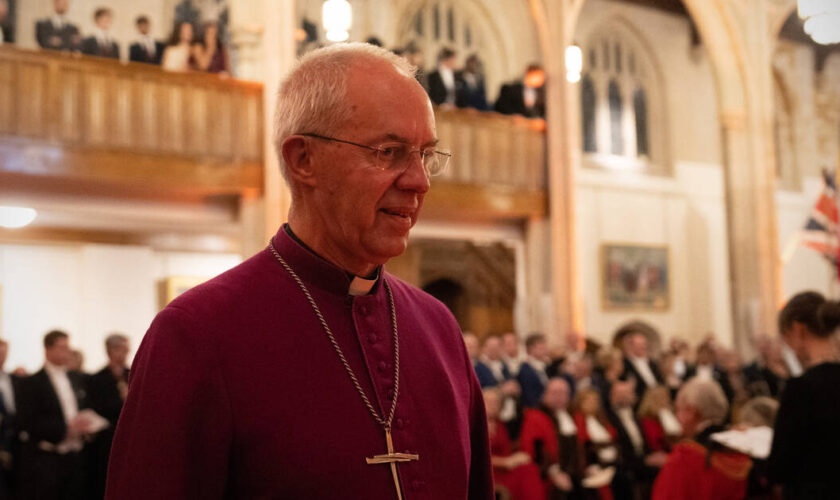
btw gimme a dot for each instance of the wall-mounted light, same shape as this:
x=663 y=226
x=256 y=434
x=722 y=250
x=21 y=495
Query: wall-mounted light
x=822 y=20
x=16 y=217
x=574 y=63
x=337 y=16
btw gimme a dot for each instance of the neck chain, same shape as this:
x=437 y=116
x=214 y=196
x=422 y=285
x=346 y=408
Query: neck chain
x=384 y=422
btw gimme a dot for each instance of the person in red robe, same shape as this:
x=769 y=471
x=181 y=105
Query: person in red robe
x=514 y=471
x=698 y=468
x=308 y=371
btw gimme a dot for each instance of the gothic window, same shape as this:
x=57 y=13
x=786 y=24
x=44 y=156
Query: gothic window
x=622 y=111
x=640 y=110
x=616 y=136
x=450 y=24
x=436 y=17
x=418 y=24
x=587 y=113
x=467 y=36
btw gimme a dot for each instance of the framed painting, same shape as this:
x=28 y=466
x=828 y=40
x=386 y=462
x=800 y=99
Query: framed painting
x=176 y=285
x=635 y=277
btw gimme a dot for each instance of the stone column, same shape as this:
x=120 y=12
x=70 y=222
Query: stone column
x=263 y=39
x=552 y=19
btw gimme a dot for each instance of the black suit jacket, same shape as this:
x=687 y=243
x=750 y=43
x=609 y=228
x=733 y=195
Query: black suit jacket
x=91 y=47
x=511 y=101
x=68 y=35
x=437 y=90
x=39 y=412
x=137 y=53
x=641 y=387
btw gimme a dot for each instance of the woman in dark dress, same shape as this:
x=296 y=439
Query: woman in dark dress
x=804 y=456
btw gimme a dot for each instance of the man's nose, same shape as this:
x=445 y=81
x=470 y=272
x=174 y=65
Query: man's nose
x=415 y=177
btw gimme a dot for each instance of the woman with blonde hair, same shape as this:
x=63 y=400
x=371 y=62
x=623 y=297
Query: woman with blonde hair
x=659 y=424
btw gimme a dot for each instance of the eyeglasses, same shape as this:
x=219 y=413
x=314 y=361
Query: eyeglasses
x=396 y=155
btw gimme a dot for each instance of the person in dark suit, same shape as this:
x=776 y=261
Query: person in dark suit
x=638 y=365
x=526 y=97
x=146 y=49
x=51 y=430
x=532 y=376
x=708 y=367
x=443 y=86
x=470 y=85
x=8 y=430
x=107 y=390
x=55 y=32
x=7 y=27
x=102 y=44
x=803 y=457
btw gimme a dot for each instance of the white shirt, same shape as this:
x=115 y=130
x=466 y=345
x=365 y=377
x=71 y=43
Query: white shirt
x=67 y=400
x=643 y=367
x=8 y=392
x=514 y=364
x=103 y=38
x=566 y=423
x=529 y=96
x=149 y=43
x=706 y=372
x=633 y=432
x=448 y=78
x=538 y=367
x=497 y=367
x=670 y=424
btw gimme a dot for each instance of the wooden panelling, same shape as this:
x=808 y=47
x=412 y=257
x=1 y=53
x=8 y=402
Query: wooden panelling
x=97 y=116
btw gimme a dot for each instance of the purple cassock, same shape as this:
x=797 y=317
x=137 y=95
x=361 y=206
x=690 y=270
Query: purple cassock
x=236 y=392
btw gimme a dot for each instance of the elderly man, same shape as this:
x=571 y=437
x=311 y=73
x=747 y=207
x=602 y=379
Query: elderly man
x=308 y=371
x=697 y=468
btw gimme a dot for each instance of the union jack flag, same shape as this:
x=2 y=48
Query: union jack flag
x=822 y=230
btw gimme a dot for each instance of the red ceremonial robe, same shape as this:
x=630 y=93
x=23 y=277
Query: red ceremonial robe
x=236 y=392
x=692 y=474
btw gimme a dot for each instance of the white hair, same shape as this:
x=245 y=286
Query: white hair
x=707 y=398
x=312 y=97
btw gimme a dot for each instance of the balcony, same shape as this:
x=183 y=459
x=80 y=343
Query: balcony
x=79 y=126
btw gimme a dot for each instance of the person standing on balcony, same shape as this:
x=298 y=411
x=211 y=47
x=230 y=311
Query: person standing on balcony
x=102 y=44
x=527 y=97
x=5 y=32
x=443 y=86
x=146 y=49
x=55 y=32
x=180 y=54
x=472 y=93
x=210 y=53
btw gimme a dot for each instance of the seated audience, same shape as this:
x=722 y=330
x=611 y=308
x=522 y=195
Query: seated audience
x=56 y=32
x=707 y=367
x=532 y=375
x=472 y=93
x=698 y=468
x=661 y=427
x=515 y=471
x=146 y=49
x=101 y=44
x=609 y=366
x=210 y=53
x=179 y=53
x=549 y=436
x=443 y=86
x=526 y=97
x=766 y=375
x=596 y=440
x=803 y=459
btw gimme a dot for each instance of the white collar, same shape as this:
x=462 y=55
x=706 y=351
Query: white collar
x=58 y=21
x=361 y=286
x=535 y=363
x=54 y=370
x=102 y=34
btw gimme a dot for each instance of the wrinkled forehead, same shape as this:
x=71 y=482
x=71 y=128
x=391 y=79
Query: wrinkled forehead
x=383 y=101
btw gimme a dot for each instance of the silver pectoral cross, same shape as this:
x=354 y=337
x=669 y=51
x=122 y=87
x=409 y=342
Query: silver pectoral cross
x=391 y=459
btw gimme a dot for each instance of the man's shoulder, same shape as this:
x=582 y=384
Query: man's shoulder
x=242 y=283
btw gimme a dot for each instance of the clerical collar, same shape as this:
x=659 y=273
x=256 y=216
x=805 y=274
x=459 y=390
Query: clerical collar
x=315 y=269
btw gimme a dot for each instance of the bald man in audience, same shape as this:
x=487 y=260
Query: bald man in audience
x=56 y=32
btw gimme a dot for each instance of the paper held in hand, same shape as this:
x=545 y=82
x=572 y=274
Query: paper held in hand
x=755 y=441
x=95 y=422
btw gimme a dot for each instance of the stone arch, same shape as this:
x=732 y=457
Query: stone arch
x=500 y=63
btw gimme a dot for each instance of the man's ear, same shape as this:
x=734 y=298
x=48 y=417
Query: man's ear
x=298 y=158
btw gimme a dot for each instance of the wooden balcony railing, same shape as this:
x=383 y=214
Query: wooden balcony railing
x=111 y=128
x=114 y=122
